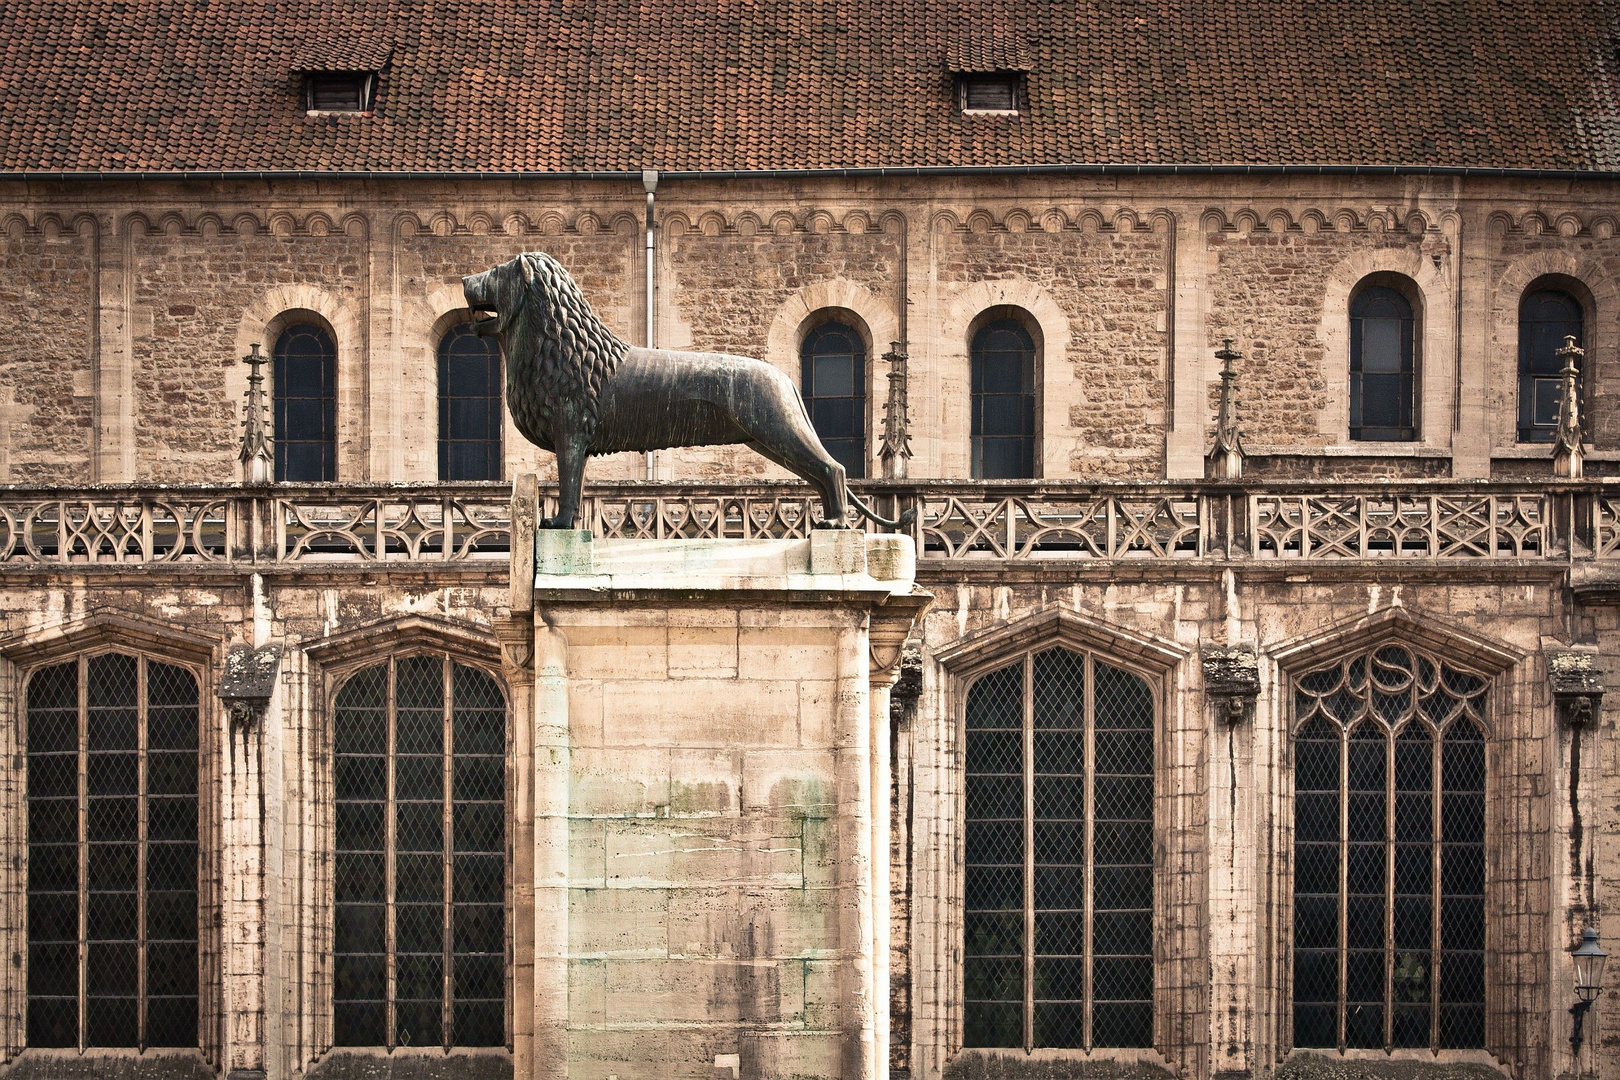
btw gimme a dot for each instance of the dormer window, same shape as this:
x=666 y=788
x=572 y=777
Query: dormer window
x=988 y=91
x=339 y=91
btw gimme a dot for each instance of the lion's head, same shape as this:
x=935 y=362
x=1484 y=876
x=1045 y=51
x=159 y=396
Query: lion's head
x=557 y=350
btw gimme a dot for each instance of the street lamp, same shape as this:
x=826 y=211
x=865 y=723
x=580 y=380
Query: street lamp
x=1589 y=960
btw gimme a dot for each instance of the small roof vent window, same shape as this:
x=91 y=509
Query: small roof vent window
x=988 y=91
x=339 y=91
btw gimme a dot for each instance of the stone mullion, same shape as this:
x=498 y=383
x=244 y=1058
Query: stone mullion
x=1344 y=878
x=1028 y=746
x=1389 y=882
x=446 y=843
x=141 y=702
x=1088 y=721
x=1436 y=959
x=84 y=839
x=390 y=815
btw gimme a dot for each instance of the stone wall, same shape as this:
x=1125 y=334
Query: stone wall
x=47 y=392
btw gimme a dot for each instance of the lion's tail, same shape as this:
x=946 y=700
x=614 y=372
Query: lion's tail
x=904 y=521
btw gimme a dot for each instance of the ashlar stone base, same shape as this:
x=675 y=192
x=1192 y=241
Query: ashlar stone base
x=709 y=718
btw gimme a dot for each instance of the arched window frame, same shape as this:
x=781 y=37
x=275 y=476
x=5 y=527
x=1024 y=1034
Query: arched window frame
x=280 y=332
x=1548 y=382
x=493 y=464
x=1300 y=664
x=858 y=465
x=1409 y=394
x=135 y=636
x=1030 y=454
x=338 y=659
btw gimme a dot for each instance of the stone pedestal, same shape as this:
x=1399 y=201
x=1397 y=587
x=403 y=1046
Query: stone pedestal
x=710 y=762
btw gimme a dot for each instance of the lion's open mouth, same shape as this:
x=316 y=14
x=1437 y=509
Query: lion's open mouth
x=485 y=321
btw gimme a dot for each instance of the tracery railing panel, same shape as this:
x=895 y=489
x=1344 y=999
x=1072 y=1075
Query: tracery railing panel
x=957 y=521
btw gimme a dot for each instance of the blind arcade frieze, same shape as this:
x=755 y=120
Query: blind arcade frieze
x=957 y=522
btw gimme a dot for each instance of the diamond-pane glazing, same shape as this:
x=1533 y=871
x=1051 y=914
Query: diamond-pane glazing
x=1122 y=860
x=421 y=859
x=118 y=843
x=993 y=962
x=1392 y=971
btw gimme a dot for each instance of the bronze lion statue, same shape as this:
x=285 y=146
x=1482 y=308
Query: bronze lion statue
x=577 y=390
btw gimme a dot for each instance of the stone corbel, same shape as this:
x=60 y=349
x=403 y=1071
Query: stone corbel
x=1577 y=685
x=1232 y=681
x=887 y=632
x=516 y=636
x=248 y=682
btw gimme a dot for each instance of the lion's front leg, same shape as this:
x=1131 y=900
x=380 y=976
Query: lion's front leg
x=570 y=481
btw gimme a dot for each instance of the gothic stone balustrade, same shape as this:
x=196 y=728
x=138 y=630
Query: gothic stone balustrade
x=958 y=523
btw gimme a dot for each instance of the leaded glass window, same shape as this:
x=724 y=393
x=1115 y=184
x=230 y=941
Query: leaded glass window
x=304 y=394
x=1383 y=369
x=1003 y=402
x=1389 y=853
x=419 y=944
x=469 y=406
x=112 y=746
x=1546 y=318
x=1058 y=882
x=833 y=382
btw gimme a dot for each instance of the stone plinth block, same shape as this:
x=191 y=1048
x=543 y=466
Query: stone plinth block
x=562 y=551
x=716 y=790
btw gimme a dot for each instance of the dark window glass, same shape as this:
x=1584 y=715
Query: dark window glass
x=1546 y=318
x=1061 y=762
x=419 y=955
x=1389 y=786
x=112 y=865
x=1382 y=372
x=990 y=92
x=833 y=379
x=305 y=394
x=469 y=406
x=1003 y=402
x=337 y=91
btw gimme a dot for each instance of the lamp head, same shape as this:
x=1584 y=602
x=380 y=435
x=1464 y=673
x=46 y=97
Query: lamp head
x=1589 y=960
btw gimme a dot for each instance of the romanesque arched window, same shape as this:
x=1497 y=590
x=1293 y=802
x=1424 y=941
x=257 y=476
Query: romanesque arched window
x=1383 y=364
x=419 y=883
x=304 y=393
x=832 y=365
x=1389 y=853
x=1003 y=401
x=469 y=405
x=1058 y=869
x=112 y=758
x=1546 y=317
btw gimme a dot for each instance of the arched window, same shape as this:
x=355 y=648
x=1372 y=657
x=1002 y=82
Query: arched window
x=1058 y=875
x=1546 y=318
x=1003 y=378
x=305 y=397
x=1383 y=379
x=419 y=780
x=833 y=381
x=469 y=406
x=112 y=860
x=1389 y=854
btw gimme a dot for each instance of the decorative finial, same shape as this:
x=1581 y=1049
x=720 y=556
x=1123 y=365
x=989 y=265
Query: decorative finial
x=896 y=448
x=1225 y=460
x=1568 y=454
x=258 y=463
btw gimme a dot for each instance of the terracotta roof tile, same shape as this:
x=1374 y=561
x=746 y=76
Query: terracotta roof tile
x=551 y=85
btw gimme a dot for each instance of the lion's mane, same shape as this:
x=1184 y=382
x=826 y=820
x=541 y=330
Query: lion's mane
x=560 y=351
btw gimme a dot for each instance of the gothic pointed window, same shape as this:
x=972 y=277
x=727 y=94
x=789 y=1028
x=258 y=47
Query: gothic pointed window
x=833 y=382
x=304 y=395
x=419 y=760
x=112 y=754
x=469 y=406
x=1389 y=853
x=1003 y=401
x=1383 y=367
x=1546 y=318
x=1058 y=874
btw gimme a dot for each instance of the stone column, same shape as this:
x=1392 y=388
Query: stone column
x=551 y=783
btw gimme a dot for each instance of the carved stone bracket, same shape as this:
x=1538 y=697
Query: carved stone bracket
x=1232 y=680
x=887 y=632
x=1577 y=685
x=248 y=682
x=516 y=635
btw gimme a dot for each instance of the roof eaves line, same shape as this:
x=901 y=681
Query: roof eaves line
x=1100 y=168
